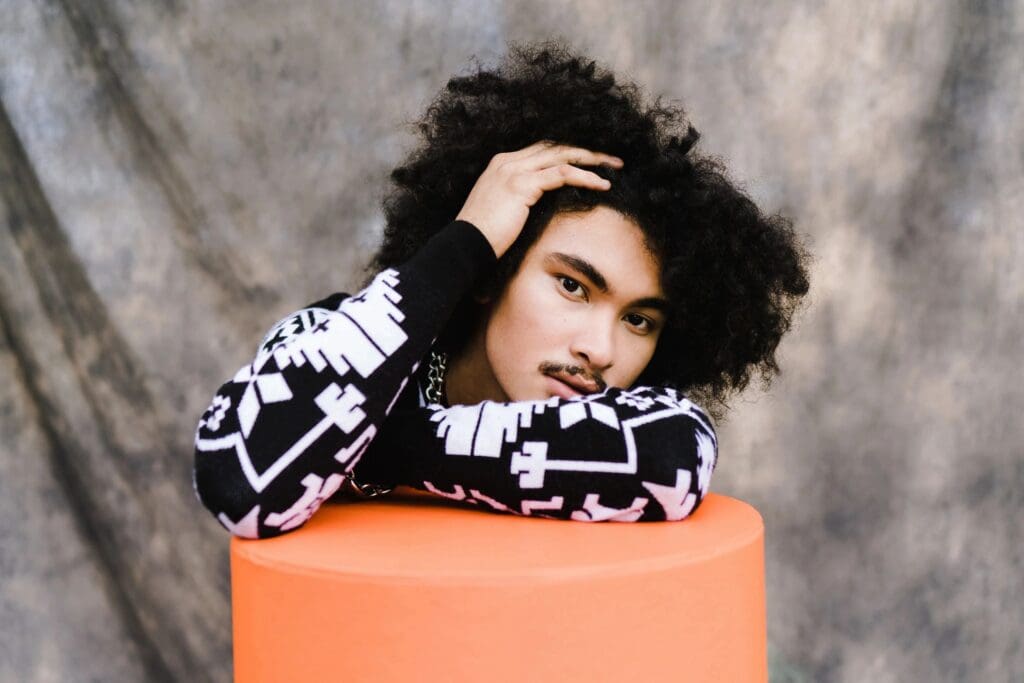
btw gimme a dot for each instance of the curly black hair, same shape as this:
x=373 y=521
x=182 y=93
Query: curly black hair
x=734 y=276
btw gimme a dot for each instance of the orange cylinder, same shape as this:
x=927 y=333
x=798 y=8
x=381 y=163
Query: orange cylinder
x=413 y=587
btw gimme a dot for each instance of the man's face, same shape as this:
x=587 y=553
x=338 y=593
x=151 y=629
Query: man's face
x=585 y=304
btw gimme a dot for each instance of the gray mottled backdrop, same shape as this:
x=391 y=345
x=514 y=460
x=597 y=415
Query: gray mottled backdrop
x=176 y=175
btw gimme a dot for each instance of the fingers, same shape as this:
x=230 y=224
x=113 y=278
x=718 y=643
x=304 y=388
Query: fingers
x=565 y=174
x=552 y=155
x=542 y=154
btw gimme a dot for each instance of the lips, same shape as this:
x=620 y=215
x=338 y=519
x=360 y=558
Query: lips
x=577 y=384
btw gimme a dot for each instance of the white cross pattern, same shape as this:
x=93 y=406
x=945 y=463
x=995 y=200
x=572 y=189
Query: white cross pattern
x=362 y=334
x=218 y=409
x=244 y=528
x=286 y=328
x=458 y=494
x=707 y=455
x=340 y=409
x=593 y=511
x=677 y=501
x=481 y=429
x=474 y=496
x=556 y=502
x=576 y=411
x=532 y=462
x=272 y=389
x=317 y=491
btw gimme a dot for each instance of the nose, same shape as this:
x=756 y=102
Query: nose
x=594 y=346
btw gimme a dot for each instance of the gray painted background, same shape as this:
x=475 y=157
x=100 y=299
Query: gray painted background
x=175 y=176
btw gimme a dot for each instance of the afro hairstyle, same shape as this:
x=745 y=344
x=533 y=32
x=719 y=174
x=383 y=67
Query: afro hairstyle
x=733 y=275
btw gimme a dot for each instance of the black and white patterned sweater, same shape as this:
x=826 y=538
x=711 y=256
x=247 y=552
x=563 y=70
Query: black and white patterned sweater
x=337 y=389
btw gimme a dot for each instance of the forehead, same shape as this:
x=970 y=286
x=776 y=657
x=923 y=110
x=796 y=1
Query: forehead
x=610 y=242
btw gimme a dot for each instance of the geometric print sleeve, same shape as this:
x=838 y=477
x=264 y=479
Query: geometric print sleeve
x=625 y=455
x=282 y=434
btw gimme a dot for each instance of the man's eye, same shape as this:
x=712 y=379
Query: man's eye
x=570 y=285
x=640 y=321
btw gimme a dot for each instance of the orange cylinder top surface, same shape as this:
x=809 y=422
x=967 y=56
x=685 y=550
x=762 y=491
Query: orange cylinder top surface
x=419 y=535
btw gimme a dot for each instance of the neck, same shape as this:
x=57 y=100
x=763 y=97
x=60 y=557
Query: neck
x=469 y=379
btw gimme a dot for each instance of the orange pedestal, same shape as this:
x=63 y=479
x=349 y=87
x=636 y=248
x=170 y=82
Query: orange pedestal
x=412 y=587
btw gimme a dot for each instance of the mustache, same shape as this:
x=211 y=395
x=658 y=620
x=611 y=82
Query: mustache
x=550 y=368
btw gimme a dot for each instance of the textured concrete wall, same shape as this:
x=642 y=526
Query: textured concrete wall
x=174 y=176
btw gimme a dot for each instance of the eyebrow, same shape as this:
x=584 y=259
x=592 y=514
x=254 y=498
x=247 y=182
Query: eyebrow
x=594 y=275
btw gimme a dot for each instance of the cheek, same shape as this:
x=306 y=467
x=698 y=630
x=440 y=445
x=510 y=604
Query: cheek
x=522 y=331
x=637 y=355
x=528 y=314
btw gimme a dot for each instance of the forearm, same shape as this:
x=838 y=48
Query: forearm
x=625 y=455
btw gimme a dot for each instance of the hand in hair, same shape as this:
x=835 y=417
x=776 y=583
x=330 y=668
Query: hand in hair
x=500 y=200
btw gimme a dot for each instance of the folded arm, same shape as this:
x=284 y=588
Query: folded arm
x=642 y=454
x=281 y=435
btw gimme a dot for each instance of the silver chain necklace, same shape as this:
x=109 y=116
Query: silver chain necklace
x=434 y=393
x=435 y=376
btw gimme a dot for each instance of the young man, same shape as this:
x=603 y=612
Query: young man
x=558 y=269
